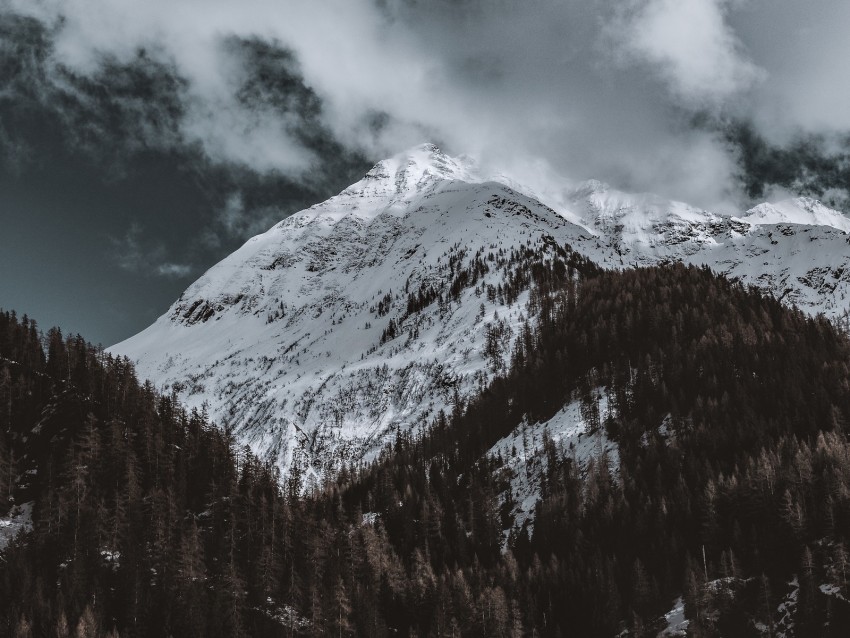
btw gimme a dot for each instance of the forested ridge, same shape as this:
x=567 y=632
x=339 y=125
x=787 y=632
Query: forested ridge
x=147 y=521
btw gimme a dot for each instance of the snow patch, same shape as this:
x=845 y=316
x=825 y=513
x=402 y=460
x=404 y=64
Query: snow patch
x=832 y=590
x=523 y=451
x=17 y=521
x=111 y=557
x=285 y=615
x=786 y=610
x=677 y=624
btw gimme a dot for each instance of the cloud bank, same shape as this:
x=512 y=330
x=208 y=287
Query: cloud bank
x=691 y=45
x=642 y=93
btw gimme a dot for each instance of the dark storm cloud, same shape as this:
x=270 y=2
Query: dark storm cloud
x=807 y=164
x=120 y=109
x=110 y=202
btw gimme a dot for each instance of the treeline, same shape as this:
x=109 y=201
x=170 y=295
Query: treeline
x=138 y=521
x=148 y=522
x=736 y=379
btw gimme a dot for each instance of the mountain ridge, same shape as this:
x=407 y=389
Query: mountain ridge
x=317 y=299
x=371 y=312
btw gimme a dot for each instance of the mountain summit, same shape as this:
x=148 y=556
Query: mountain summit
x=401 y=297
x=365 y=313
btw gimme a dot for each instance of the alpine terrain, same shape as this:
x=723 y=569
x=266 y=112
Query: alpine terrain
x=551 y=447
x=400 y=298
x=591 y=380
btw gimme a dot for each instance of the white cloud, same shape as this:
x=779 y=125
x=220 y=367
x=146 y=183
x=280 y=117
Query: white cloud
x=691 y=44
x=133 y=254
x=169 y=269
x=586 y=89
x=234 y=219
x=804 y=48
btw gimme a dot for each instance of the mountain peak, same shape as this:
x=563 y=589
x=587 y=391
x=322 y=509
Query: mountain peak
x=369 y=312
x=804 y=211
x=412 y=172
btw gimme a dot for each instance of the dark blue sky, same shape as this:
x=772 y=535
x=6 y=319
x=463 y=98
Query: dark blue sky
x=58 y=249
x=85 y=250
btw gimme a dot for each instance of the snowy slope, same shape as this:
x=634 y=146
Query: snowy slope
x=799 y=250
x=286 y=340
x=524 y=455
x=17 y=521
x=283 y=338
x=801 y=211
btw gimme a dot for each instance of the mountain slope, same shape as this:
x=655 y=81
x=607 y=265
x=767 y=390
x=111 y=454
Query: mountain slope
x=728 y=412
x=729 y=490
x=798 y=250
x=365 y=313
x=399 y=297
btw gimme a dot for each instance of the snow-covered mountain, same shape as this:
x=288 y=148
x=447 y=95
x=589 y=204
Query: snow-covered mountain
x=357 y=316
x=372 y=311
x=796 y=249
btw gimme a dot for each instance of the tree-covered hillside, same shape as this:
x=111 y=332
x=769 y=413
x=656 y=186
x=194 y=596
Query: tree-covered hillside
x=731 y=488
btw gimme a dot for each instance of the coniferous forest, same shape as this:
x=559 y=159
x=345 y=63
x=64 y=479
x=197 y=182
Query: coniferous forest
x=147 y=520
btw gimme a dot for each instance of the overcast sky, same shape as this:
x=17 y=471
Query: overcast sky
x=140 y=142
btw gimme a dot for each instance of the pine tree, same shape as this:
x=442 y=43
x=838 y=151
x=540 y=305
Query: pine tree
x=23 y=629
x=5 y=400
x=6 y=474
x=766 y=602
x=62 y=629
x=87 y=626
x=340 y=612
